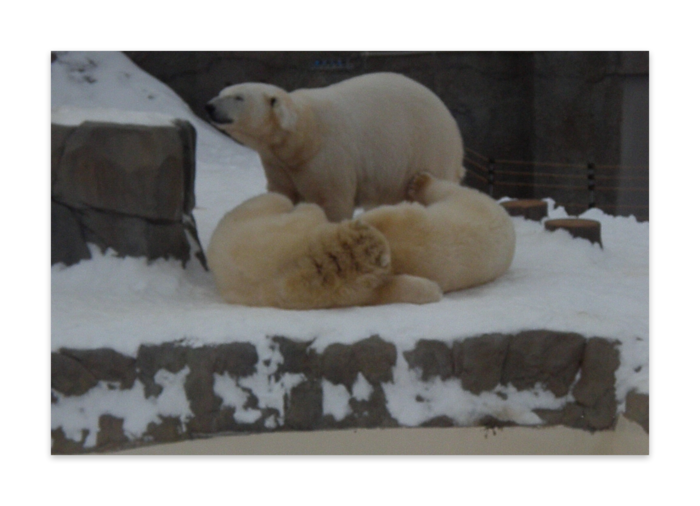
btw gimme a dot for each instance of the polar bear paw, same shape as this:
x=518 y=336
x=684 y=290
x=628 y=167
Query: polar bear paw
x=365 y=247
x=417 y=186
x=348 y=253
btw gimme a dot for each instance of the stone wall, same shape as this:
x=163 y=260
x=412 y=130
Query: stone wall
x=296 y=381
x=579 y=99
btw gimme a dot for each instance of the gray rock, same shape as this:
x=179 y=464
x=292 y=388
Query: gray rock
x=69 y=376
x=129 y=169
x=299 y=358
x=234 y=359
x=546 y=357
x=134 y=236
x=595 y=389
x=433 y=358
x=478 y=361
x=61 y=445
x=68 y=244
x=373 y=357
x=105 y=364
x=595 y=406
x=637 y=409
x=304 y=406
x=125 y=187
x=600 y=361
x=111 y=433
x=168 y=429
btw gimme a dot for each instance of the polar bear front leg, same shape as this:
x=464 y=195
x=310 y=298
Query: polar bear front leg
x=408 y=289
x=338 y=205
x=427 y=189
x=278 y=181
x=329 y=184
x=338 y=211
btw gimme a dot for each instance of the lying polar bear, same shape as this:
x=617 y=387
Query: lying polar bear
x=455 y=236
x=355 y=143
x=267 y=252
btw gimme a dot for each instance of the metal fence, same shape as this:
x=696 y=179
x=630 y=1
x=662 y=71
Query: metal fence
x=616 y=189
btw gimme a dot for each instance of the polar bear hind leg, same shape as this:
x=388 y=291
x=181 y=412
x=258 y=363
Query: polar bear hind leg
x=427 y=189
x=408 y=289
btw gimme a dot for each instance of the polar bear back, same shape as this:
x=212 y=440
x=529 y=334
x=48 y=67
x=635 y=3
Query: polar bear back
x=389 y=127
x=353 y=144
x=464 y=239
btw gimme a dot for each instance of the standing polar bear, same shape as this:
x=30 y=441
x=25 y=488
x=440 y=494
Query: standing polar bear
x=268 y=252
x=354 y=143
x=455 y=236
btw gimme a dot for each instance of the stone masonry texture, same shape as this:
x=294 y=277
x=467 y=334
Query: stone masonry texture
x=563 y=363
x=125 y=187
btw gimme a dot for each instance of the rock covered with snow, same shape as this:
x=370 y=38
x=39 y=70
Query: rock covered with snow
x=122 y=180
x=537 y=378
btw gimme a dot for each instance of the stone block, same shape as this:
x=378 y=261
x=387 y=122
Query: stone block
x=68 y=243
x=595 y=389
x=105 y=364
x=478 y=361
x=637 y=409
x=298 y=358
x=373 y=357
x=69 y=376
x=433 y=358
x=127 y=186
x=304 y=406
x=545 y=357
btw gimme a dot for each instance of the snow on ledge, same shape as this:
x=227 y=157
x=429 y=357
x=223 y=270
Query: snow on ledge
x=74 y=116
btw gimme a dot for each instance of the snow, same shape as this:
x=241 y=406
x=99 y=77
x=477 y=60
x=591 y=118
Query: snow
x=73 y=116
x=556 y=282
x=79 y=413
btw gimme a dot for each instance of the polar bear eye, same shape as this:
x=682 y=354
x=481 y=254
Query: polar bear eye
x=239 y=98
x=273 y=101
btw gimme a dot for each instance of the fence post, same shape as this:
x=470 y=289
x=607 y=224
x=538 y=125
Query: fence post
x=591 y=185
x=492 y=175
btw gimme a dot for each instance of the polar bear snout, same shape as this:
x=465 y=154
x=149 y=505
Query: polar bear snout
x=217 y=112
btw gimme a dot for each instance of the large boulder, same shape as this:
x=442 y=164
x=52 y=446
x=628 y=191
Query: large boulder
x=124 y=181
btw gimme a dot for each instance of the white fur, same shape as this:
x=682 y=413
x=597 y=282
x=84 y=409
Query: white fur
x=355 y=143
x=455 y=236
x=267 y=252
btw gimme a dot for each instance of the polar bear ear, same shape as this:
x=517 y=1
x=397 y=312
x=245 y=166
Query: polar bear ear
x=284 y=110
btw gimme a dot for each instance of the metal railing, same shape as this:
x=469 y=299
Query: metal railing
x=497 y=176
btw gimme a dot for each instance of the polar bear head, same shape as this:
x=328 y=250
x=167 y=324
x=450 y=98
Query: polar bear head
x=253 y=113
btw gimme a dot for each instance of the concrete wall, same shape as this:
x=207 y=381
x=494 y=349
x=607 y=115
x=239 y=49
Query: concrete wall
x=564 y=107
x=588 y=108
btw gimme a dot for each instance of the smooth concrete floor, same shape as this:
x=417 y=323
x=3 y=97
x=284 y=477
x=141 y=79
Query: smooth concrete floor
x=628 y=438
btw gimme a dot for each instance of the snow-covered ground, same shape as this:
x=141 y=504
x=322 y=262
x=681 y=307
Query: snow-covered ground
x=556 y=282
